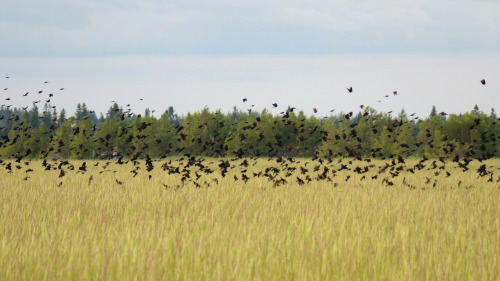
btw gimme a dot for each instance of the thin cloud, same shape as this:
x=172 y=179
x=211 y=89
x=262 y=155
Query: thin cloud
x=83 y=28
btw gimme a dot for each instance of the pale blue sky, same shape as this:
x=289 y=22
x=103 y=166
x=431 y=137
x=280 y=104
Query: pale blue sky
x=213 y=53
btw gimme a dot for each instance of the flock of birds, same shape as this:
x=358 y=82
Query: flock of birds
x=279 y=170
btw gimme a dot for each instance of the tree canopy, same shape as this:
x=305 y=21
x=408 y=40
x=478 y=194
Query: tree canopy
x=29 y=133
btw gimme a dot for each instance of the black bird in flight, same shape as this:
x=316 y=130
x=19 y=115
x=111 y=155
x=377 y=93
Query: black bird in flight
x=483 y=82
x=275 y=105
x=244 y=99
x=349 y=89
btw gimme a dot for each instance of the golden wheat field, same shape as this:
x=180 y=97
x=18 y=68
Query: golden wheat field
x=107 y=224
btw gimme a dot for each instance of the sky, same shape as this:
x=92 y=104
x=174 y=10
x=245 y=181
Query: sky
x=195 y=53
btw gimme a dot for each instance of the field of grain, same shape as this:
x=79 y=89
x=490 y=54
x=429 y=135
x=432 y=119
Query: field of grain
x=107 y=224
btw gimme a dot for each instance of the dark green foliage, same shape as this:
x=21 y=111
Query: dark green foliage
x=28 y=133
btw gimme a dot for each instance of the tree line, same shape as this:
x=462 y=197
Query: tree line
x=34 y=133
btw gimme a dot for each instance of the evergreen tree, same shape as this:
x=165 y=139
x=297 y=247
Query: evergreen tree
x=235 y=114
x=81 y=112
x=113 y=111
x=62 y=117
x=493 y=115
x=433 y=112
x=27 y=133
x=78 y=112
x=175 y=119
x=46 y=117
x=475 y=111
x=33 y=115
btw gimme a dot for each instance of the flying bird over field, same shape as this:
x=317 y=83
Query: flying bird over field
x=276 y=137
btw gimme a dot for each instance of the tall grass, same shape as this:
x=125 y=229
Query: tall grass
x=141 y=230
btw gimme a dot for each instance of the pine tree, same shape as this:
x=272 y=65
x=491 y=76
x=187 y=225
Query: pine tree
x=493 y=115
x=173 y=117
x=113 y=111
x=33 y=115
x=475 y=111
x=78 y=112
x=62 y=117
x=46 y=115
x=433 y=112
